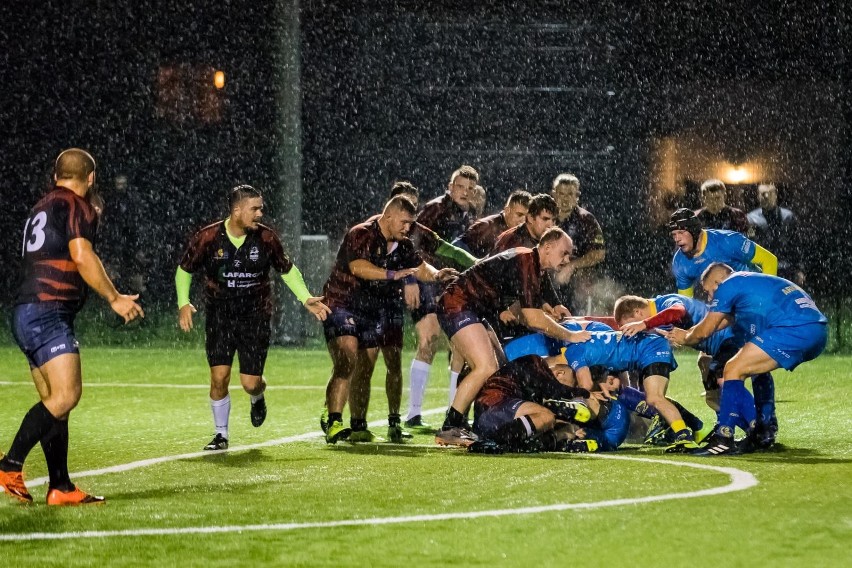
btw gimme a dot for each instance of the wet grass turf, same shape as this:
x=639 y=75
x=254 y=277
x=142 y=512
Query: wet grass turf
x=799 y=512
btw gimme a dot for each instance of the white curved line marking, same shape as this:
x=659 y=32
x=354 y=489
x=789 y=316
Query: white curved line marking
x=740 y=480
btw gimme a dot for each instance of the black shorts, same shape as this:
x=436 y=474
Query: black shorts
x=726 y=351
x=242 y=331
x=429 y=292
x=382 y=329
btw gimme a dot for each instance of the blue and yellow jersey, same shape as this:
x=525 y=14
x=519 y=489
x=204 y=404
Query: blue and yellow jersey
x=617 y=353
x=760 y=301
x=542 y=345
x=714 y=245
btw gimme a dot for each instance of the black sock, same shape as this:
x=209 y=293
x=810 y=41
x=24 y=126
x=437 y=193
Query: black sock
x=36 y=423
x=335 y=417
x=692 y=421
x=515 y=431
x=55 y=446
x=358 y=424
x=394 y=420
x=454 y=418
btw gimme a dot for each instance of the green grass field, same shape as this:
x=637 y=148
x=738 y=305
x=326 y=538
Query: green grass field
x=287 y=499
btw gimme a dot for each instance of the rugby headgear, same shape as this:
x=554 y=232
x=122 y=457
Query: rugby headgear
x=686 y=220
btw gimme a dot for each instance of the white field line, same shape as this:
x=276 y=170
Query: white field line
x=739 y=481
x=200 y=386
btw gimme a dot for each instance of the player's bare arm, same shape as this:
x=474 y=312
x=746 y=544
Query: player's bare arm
x=538 y=320
x=92 y=271
x=713 y=321
x=366 y=270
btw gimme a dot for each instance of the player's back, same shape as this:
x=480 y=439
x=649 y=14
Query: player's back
x=49 y=273
x=612 y=350
x=758 y=301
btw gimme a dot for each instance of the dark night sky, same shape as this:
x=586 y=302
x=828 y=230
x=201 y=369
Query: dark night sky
x=411 y=89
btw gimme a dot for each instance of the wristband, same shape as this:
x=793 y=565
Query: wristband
x=410 y=279
x=390 y=274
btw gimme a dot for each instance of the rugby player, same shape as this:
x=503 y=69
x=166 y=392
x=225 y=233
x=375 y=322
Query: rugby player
x=235 y=256
x=481 y=293
x=782 y=327
x=480 y=237
x=377 y=250
x=58 y=263
x=448 y=217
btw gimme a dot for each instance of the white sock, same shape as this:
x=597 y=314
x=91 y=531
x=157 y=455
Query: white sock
x=221 y=411
x=417 y=388
x=255 y=398
x=454 y=381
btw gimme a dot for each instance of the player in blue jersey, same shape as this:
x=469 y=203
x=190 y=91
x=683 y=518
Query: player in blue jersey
x=650 y=356
x=698 y=247
x=780 y=325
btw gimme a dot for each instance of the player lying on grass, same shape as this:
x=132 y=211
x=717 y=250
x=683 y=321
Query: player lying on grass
x=781 y=325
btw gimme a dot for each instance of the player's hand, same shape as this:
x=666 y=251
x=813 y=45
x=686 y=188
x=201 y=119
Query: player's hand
x=446 y=274
x=126 y=306
x=411 y=294
x=185 y=316
x=508 y=317
x=400 y=274
x=632 y=328
x=561 y=312
x=579 y=336
x=601 y=395
x=316 y=307
x=675 y=335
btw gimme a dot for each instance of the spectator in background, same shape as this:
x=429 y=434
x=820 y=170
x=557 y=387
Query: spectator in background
x=716 y=214
x=775 y=229
x=585 y=232
x=476 y=205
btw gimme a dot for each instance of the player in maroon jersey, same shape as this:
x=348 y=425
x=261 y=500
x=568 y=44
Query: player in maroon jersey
x=59 y=262
x=481 y=293
x=373 y=255
x=235 y=256
x=480 y=237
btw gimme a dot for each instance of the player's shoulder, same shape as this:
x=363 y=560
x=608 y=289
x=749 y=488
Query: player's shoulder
x=585 y=214
x=266 y=232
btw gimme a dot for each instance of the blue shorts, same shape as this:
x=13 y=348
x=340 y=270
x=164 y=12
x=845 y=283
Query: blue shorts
x=451 y=324
x=382 y=329
x=791 y=346
x=488 y=420
x=44 y=331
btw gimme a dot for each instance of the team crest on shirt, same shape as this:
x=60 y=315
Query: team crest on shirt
x=221 y=254
x=254 y=254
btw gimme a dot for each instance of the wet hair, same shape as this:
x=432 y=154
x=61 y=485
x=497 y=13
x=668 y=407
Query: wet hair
x=552 y=234
x=713 y=266
x=401 y=187
x=570 y=179
x=400 y=203
x=542 y=202
x=712 y=185
x=466 y=172
x=519 y=197
x=75 y=164
x=242 y=192
x=626 y=305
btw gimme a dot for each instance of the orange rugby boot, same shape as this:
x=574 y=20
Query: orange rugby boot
x=12 y=482
x=73 y=497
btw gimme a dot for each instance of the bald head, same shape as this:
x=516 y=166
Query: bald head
x=74 y=164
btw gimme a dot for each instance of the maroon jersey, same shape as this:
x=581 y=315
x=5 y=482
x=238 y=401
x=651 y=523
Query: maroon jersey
x=239 y=276
x=513 y=238
x=584 y=230
x=445 y=217
x=497 y=282
x=366 y=242
x=526 y=378
x=482 y=235
x=729 y=219
x=49 y=273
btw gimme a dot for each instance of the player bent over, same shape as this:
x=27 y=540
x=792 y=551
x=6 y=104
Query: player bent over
x=781 y=325
x=235 y=256
x=58 y=262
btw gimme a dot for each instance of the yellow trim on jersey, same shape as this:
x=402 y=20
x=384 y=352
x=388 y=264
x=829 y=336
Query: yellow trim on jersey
x=688 y=292
x=702 y=244
x=562 y=354
x=652 y=306
x=767 y=261
x=236 y=241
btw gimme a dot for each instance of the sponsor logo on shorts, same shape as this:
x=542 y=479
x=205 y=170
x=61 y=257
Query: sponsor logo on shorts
x=56 y=348
x=465 y=320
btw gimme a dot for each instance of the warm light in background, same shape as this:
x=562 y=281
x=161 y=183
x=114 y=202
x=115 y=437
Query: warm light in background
x=219 y=79
x=736 y=174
